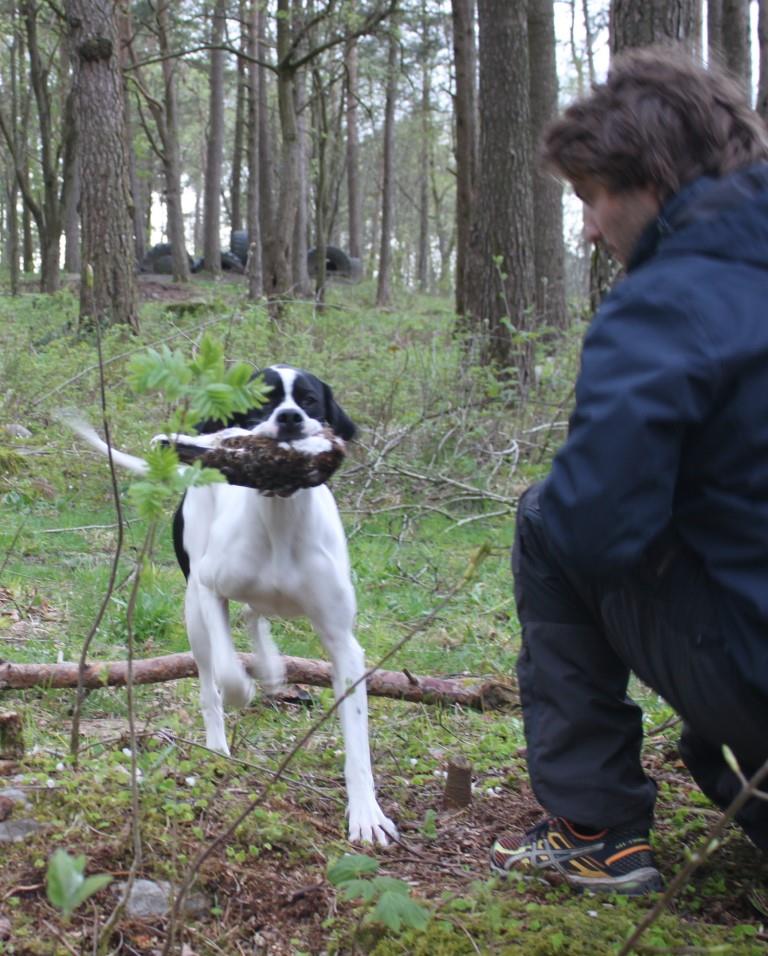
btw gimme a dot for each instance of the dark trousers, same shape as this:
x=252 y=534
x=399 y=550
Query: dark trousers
x=581 y=639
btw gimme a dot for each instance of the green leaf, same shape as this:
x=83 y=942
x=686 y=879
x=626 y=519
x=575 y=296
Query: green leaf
x=91 y=885
x=358 y=890
x=394 y=910
x=390 y=884
x=350 y=867
x=66 y=886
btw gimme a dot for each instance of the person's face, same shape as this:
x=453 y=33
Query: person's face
x=616 y=219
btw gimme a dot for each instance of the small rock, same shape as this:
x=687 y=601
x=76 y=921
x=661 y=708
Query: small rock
x=18 y=431
x=149 y=899
x=14 y=831
x=15 y=796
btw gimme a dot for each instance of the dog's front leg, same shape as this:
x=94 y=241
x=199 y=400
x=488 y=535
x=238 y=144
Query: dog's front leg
x=367 y=821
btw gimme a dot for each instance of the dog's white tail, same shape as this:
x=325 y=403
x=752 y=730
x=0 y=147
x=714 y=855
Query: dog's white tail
x=85 y=431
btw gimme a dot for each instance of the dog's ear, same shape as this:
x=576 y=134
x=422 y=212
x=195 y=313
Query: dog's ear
x=336 y=417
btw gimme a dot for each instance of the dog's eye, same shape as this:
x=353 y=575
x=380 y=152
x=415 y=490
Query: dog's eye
x=308 y=402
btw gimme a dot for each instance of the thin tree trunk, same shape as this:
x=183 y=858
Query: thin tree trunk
x=255 y=266
x=239 y=137
x=715 y=30
x=354 y=202
x=762 y=39
x=12 y=234
x=425 y=148
x=549 y=247
x=383 y=290
x=301 y=279
x=465 y=111
x=736 y=42
x=168 y=124
x=266 y=157
x=105 y=201
x=215 y=145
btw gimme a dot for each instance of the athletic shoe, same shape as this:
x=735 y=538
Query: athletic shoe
x=616 y=860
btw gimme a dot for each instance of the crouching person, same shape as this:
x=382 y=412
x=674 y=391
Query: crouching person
x=646 y=548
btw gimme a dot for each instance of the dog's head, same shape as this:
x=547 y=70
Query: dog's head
x=298 y=405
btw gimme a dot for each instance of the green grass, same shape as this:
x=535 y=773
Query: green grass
x=433 y=427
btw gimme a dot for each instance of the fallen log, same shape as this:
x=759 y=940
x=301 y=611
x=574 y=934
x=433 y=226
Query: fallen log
x=483 y=695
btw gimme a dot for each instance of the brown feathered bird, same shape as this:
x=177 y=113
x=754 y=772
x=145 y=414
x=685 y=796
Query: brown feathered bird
x=269 y=466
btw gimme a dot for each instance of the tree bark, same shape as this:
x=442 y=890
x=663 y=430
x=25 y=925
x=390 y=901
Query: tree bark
x=255 y=265
x=172 y=153
x=425 y=148
x=465 y=113
x=549 y=246
x=736 y=42
x=715 y=30
x=762 y=38
x=266 y=155
x=383 y=288
x=477 y=695
x=239 y=135
x=105 y=201
x=635 y=23
x=354 y=201
x=280 y=237
x=500 y=282
x=215 y=145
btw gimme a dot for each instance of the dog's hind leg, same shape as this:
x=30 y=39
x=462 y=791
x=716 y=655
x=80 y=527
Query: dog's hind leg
x=223 y=681
x=367 y=822
x=270 y=668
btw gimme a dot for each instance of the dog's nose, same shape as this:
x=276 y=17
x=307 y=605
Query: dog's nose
x=289 y=424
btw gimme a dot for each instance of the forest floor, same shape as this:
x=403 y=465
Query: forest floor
x=431 y=481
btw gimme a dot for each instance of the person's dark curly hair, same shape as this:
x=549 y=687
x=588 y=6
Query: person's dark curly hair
x=659 y=119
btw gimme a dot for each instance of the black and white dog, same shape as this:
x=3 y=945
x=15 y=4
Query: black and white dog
x=281 y=557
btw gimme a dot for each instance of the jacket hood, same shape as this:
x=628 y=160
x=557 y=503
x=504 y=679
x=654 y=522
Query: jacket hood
x=726 y=218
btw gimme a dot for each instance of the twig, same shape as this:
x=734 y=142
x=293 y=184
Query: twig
x=80 y=696
x=711 y=844
x=474 y=563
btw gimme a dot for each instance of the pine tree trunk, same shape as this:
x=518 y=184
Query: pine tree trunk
x=423 y=257
x=302 y=282
x=465 y=112
x=383 y=288
x=354 y=204
x=215 y=145
x=549 y=246
x=266 y=157
x=238 y=139
x=715 y=30
x=280 y=239
x=500 y=280
x=168 y=124
x=105 y=201
x=762 y=38
x=635 y=23
x=736 y=42
x=255 y=266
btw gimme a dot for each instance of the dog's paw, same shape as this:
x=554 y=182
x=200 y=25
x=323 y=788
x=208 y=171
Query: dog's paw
x=270 y=671
x=371 y=827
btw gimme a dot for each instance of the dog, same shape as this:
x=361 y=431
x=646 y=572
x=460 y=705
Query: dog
x=280 y=557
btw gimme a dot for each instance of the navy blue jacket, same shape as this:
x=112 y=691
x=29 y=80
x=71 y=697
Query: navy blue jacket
x=670 y=429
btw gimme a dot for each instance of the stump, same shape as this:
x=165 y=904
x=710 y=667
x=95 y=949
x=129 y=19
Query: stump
x=11 y=736
x=458 y=785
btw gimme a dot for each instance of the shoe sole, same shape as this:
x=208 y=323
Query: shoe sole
x=639 y=882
